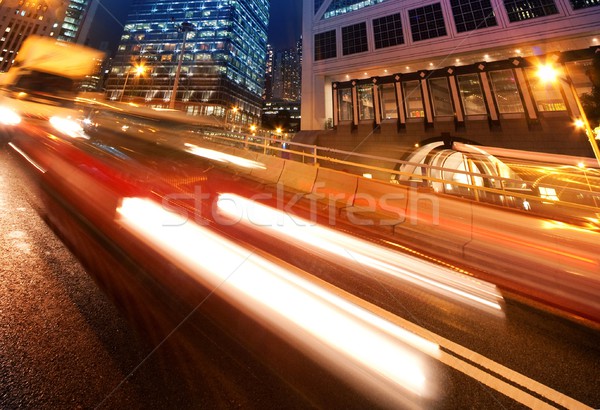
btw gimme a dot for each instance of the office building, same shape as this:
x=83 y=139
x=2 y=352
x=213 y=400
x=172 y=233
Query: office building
x=287 y=74
x=268 y=87
x=18 y=20
x=221 y=67
x=392 y=75
x=74 y=18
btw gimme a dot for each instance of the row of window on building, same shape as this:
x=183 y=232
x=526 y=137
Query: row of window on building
x=427 y=22
x=504 y=86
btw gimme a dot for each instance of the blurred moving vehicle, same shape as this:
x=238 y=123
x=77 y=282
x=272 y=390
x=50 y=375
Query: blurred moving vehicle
x=44 y=79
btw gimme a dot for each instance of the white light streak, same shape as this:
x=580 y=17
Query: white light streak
x=342 y=333
x=28 y=158
x=371 y=256
x=223 y=157
x=9 y=117
x=68 y=127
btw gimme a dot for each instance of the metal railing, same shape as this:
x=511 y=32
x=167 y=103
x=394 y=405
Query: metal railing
x=568 y=192
x=551 y=189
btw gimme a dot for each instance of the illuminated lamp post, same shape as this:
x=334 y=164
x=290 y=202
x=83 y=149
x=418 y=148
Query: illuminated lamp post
x=184 y=27
x=234 y=111
x=246 y=138
x=139 y=70
x=547 y=73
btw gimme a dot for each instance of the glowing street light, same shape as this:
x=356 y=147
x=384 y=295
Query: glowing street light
x=138 y=70
x=547 y=73
x=184 y=27
x=234 y=111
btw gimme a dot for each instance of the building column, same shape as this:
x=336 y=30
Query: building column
x=355 y=117
x=490 y=101
x=528 y=102
x=568 y=95
x=314 y=102
x=426 y=100
x=376 y=102
x=400 y=103
x=335 y=104
x=459 y=116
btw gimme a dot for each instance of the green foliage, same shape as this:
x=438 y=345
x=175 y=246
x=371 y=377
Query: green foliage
x=591 y=101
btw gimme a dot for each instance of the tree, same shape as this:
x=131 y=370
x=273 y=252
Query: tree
x=591 y=101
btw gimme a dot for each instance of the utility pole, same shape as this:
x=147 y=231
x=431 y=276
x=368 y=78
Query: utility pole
x=184 y=27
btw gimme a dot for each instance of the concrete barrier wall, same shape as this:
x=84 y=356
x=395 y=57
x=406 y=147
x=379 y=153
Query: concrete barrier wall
x=334 y=188
x=377 y=203
x=547 y=259
x=272 y=171
x=439 y=220
x=242 y=167
x=298 y=177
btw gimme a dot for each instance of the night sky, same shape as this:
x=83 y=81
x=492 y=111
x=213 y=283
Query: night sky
x=286 y=23
x=285 y=26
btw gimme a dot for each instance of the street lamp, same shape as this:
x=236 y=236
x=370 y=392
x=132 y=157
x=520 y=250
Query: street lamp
x=184 y=27
x=138 y=70
x=234 y=111
x=547 y=73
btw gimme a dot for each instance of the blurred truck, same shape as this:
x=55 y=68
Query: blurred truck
x=44 y=79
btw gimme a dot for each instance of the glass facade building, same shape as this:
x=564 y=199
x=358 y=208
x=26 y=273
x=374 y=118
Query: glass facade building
x=74 y=15
x=222 y=65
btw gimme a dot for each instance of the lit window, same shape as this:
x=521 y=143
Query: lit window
x=366 y=110
x=387 y=94
x=345 y=104
x=471 y=95
x=472 y=15
x=519 y=10
x=506 y=92
x=547 y=95
x=548 y=193
x=413 y=100
x=440 y=97
x=582 y=4
x=338 y=7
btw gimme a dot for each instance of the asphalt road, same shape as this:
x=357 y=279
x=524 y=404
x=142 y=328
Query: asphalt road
x=66 y=346
x=63 y=343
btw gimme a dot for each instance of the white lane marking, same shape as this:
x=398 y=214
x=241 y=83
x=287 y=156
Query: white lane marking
x=515 y=377
x=488 y=378
x=28 y=158
x=491 y=381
